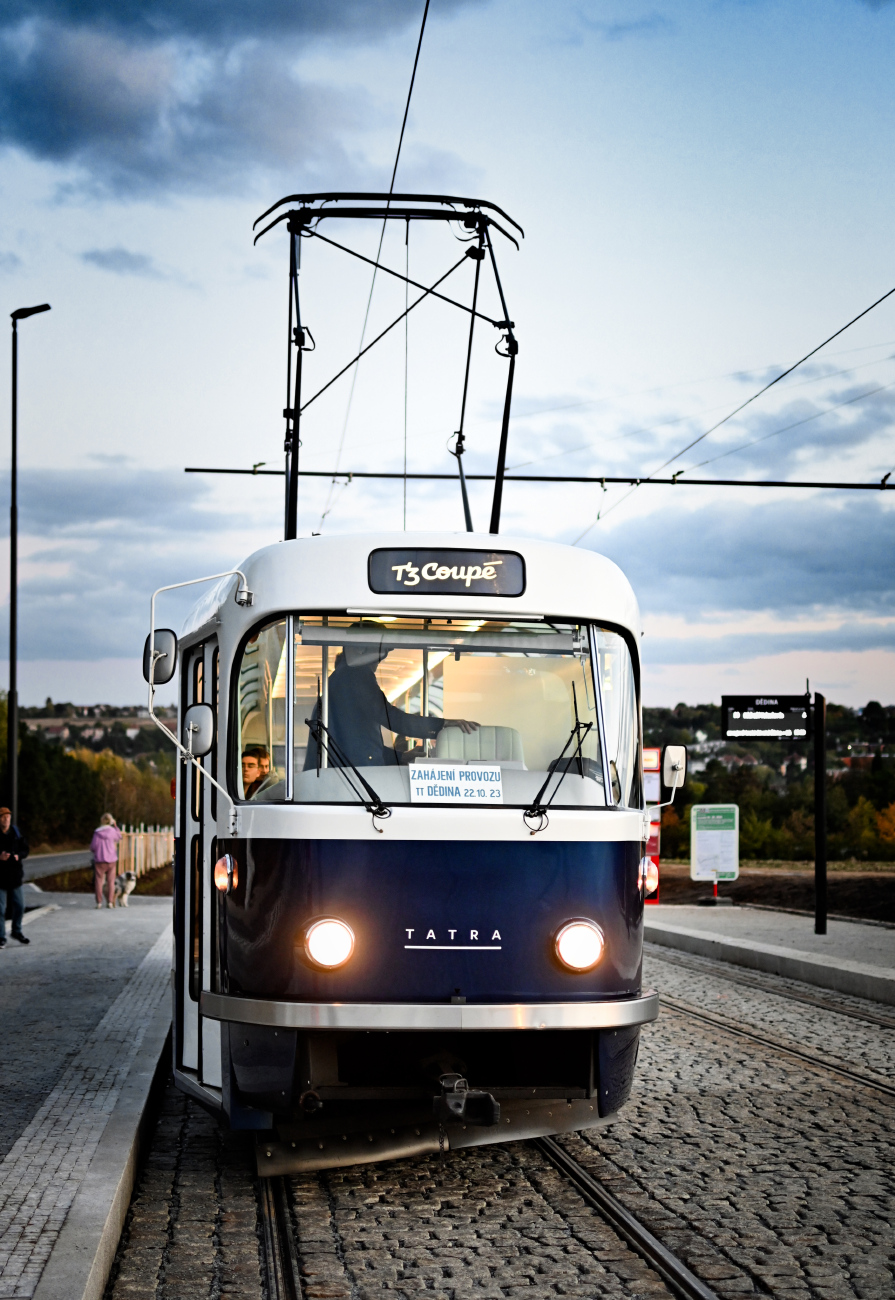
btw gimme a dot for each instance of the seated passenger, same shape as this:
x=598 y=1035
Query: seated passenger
x=256 y=773
x=358 y=708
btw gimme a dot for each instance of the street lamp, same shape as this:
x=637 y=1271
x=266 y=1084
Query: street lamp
x=12 y=704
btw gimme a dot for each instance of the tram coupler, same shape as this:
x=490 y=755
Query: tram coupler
x=458 y=1103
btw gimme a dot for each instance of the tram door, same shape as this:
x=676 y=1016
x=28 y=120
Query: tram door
x=201 y=1038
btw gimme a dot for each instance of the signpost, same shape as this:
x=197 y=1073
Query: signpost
x=789 y=717
x=714 y=842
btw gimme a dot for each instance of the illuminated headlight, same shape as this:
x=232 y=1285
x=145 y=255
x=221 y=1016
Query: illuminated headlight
x=649 y=876
x=226 y=874
x=579 y=944
x=329 y=943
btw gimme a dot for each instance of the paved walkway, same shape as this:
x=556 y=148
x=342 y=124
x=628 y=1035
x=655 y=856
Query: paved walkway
x=75 y=1006
x=852 y=957
x=844 y=940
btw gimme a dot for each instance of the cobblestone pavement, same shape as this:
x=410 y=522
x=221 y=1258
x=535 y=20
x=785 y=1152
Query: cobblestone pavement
x=493 y=1222
x=868 y=1048
x=767 y=1176
x=192 y=1230
x=44 y=1168
x=57 y=989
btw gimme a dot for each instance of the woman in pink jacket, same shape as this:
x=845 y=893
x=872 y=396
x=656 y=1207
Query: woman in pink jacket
x=104 y=847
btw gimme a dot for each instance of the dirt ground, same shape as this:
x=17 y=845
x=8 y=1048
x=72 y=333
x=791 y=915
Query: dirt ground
x=868 y=893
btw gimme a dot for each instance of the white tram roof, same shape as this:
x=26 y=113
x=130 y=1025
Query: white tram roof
x=331 y=573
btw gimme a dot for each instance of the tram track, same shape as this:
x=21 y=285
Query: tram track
x=719 y=970
x=279 y=1251
x=673 y=1271
x=808 y=1058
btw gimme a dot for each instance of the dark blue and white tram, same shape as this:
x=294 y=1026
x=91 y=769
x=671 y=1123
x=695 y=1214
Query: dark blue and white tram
x=411 y=829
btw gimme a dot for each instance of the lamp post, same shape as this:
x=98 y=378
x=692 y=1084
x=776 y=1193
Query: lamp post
x=12 y=704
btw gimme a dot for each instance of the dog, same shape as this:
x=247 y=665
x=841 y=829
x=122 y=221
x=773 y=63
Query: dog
x=124 y=884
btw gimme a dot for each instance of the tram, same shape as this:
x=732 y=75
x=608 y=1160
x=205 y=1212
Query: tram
x=410 y=852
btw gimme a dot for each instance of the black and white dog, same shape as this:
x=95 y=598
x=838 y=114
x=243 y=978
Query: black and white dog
x=124 y=884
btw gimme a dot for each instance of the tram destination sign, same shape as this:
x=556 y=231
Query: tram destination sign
x=446 y=572
x=766 y=717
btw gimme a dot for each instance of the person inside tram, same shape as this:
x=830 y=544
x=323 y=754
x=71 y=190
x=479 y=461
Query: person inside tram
x=256 y=774
x=359 y=709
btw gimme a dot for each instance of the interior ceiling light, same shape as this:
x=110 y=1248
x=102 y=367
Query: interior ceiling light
x=329 y=942
x=579 y=944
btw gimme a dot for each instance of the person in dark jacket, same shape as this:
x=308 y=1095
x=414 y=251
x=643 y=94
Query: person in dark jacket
x=358 y=708
x=13 y=852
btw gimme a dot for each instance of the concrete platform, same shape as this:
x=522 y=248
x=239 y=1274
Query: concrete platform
x=851 y=958
x=86 y=1011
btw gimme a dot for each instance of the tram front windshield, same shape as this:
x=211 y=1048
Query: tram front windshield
x=384 y=695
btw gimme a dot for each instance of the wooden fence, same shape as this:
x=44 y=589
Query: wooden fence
x=142 y=850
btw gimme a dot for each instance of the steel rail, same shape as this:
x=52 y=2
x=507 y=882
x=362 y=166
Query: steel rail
x=659 y=953
x=673 y=1271
x=817 y=1062
x=280 y=1257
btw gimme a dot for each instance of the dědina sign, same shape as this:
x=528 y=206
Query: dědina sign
x=714 y=841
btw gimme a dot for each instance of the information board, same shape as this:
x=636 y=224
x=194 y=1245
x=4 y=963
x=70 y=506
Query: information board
x=714 y=841
x=478 y=783
x=652 y=775
x=766 y=717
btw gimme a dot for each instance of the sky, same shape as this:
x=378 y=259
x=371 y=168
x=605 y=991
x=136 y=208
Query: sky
x=707 y=193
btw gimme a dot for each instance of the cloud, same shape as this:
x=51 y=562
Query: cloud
x=150 y=98
x=653 y=24
x=122 y=262
x=9 y=262
x=95 y=544
x=823 y=553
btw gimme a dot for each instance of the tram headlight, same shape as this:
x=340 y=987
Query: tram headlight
x=649 y=876
x=329 y=942
x=226 y=874
x=579 y=944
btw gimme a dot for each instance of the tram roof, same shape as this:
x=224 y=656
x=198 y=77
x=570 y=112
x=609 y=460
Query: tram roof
x=332 y=573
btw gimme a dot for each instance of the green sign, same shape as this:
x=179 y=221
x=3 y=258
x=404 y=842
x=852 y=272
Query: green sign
x=714 y=841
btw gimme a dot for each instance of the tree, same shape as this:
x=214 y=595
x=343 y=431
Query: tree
x=131 y=794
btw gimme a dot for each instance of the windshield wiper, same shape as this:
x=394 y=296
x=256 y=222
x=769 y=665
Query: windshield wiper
x=578 y=733
x=373 y=804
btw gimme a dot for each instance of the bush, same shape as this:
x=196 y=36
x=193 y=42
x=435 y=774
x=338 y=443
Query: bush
x=131 y=794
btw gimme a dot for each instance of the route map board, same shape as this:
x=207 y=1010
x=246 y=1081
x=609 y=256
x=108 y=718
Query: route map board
x=714 y=841
x=766 y=717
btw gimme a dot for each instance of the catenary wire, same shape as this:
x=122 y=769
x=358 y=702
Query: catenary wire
x=361 y=349
x=735 y=411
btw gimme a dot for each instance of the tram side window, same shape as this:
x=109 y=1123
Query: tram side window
x=261 y=710
x=620 y=716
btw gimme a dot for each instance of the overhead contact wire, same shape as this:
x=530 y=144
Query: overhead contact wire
x=391 y=188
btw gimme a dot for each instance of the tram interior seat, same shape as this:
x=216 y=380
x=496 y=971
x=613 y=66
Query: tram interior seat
x=485 y=745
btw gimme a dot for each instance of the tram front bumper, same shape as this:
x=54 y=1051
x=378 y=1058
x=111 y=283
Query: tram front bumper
x=416 y=1016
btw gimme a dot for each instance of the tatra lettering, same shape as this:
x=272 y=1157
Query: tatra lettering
x=496 y=935
x=431 y=934
x=409 y=934
x=473 y=934
x=452 y=933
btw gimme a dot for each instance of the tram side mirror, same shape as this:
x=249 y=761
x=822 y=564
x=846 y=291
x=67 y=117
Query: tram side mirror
x=166 y=663
x=674 y=766
x=198 y=729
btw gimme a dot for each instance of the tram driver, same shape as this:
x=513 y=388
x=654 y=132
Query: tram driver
x=359 y=709
x=256 y=773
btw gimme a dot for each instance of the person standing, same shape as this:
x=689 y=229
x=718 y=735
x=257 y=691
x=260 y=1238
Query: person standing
x=104 y=847
x=13 y=852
